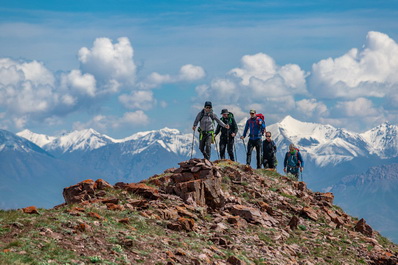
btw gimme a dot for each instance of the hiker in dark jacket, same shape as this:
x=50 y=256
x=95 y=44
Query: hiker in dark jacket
x=269 y=151
x=206 y=129
x=227 y=135
x=293 y=161
x=257 y=127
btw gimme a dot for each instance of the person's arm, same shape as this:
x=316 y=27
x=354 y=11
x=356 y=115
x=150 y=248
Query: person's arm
x=218 y=129
x=220 y=122
x=235 y=125
x=195 y=123
x=300 y=158
x=245 y=130
x=275 y=148
x=285 y=163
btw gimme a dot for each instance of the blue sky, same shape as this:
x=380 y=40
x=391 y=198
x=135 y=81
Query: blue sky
x=127 y=66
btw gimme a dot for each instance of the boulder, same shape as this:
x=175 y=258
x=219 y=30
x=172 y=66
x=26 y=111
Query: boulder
x=80 y=192
x=363 y=228
x=143 y=190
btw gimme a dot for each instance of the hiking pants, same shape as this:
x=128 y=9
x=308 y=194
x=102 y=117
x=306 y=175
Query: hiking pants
x=205 y=144
x=227 y=142
x=269 y=161
x=254 y=144
x=294 y=171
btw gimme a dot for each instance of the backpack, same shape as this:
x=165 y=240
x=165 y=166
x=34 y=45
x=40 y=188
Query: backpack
x=203 y=114
x=260 y=116
x=292 y=160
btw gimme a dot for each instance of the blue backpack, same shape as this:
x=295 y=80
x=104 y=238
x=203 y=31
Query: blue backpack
x=292 y=160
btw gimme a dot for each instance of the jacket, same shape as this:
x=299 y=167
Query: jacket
x=206 y=121
x=256 y=126
x=299 y=158
x=269 y=148
x=233 y=127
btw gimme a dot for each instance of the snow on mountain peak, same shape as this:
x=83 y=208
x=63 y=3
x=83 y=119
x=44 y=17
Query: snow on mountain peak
x=39 y=139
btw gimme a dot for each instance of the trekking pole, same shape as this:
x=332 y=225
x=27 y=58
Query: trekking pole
x=244 y=144
x=193 y=142
x=218 y=154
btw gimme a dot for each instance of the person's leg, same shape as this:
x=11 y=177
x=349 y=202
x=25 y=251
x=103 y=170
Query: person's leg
x=250 y=147
x=230 y=148
x=208 y=146
x=258 y=144
x=202 y=143
x=223 y=144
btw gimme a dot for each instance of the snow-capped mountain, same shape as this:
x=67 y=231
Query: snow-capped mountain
x=30 y=175
x=85 y=140
x=383 y=140
x=324 y=144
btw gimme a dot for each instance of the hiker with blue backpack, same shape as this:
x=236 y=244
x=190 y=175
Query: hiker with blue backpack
x=206 y=119
x=256 y=126
x=293 y=162
x=227 y=136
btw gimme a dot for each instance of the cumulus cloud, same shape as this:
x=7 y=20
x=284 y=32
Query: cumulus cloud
x=187 y=73
x=141 y=99
x=311 y=107
x=109 y=62
x=369 y=72
x=258 y=83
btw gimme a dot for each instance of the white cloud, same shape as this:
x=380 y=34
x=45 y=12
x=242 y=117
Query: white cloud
x=141 y=99
x=187 y=73
x=370 y=72
x=109 y=62
x=360 y=107
x=84 y=84
x=311 y=107
x=191 y=72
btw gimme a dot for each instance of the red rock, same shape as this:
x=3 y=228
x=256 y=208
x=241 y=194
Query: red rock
x=110 y=200
x=326 y=197
x=293 y=223
x=248 y=213
x=310 y=213
x=143 y=190
x=101 y=184
x=187 y=224
x=124 y=221
x=235 y=261
x=83 y=191
x=30 y=210
x=364 y=228
x=95 y=215
x=114 y=207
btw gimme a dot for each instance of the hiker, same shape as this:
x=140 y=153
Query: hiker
x=206 y=129
x=227 y=135
x=293 y=161
x=269 y=152
x=257 y=128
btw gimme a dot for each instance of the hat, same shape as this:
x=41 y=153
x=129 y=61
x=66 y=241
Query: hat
x=252 y=111
x=224 y=111
x=208 y=104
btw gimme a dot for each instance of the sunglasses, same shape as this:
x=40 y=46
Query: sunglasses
x=268 y=136
x=208 y=108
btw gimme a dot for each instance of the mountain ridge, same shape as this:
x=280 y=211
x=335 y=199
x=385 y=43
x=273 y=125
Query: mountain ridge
x=200 y=213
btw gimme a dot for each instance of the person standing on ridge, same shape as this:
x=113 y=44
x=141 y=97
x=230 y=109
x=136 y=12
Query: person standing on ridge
x=227 y=136
x=293 y=161
x=206 y=129
x=257 y=127
x=269 y=152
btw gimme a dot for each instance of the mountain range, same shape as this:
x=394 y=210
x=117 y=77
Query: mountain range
x=331 y=154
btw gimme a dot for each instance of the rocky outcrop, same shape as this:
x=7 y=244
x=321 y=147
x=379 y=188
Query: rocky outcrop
x=211 y=213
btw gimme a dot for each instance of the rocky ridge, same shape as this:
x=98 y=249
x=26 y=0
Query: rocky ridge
x=199 y=213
